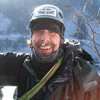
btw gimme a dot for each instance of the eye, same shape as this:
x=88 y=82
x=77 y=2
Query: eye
x=37 y=33
x=53 y=33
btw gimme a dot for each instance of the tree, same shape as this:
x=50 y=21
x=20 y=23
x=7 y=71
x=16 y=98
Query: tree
x=86 y=17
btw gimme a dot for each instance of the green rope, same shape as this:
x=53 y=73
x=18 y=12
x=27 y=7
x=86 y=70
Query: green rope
x=43 y=81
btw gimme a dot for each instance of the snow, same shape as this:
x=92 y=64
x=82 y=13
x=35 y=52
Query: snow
x=15 y=41
x=8 y=92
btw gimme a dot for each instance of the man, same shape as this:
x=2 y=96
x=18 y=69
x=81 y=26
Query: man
x=75 y=78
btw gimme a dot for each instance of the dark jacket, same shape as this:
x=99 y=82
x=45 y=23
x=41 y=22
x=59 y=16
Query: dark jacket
x=76 y=79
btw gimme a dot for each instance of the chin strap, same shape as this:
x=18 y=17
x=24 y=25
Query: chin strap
x=43 y=81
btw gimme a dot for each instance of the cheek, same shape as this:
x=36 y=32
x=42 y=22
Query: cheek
x=35 y=39
x=56 y=41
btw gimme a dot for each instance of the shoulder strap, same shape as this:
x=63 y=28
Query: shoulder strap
x=42 y=82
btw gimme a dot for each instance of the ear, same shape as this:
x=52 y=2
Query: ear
x=62 y=40
x=29 y=42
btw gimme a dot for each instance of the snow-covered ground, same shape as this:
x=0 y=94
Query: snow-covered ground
x=8 y=92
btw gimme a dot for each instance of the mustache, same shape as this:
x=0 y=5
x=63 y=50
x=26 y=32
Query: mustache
x=41 y=43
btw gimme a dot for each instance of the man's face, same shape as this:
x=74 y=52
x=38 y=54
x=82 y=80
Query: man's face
x=45 y=42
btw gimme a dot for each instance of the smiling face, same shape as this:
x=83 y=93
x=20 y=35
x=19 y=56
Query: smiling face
x=45 y=42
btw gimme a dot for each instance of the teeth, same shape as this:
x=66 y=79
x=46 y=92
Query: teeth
x=47 y=47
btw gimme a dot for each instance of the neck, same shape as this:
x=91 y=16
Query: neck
x=41 y=68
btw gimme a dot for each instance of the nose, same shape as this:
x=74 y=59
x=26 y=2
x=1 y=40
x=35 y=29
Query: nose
x=45 y=36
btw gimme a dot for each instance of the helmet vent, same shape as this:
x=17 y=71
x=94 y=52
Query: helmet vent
x=61 y=16
x=32 y=14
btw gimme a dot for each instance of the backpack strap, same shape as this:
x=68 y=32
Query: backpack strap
x=43 y=81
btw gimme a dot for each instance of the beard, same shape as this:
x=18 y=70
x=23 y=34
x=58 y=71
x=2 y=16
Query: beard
x=49 y=58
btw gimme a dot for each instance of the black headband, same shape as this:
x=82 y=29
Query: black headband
x=49 y=25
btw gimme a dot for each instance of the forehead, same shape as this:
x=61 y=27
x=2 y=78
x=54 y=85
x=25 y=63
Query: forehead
x=39 y=33
x=44 y=31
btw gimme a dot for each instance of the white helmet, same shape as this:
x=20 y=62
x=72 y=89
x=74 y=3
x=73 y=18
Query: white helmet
x=47 y=11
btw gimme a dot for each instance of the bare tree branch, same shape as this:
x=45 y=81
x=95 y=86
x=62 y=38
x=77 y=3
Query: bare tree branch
x=84 y=19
